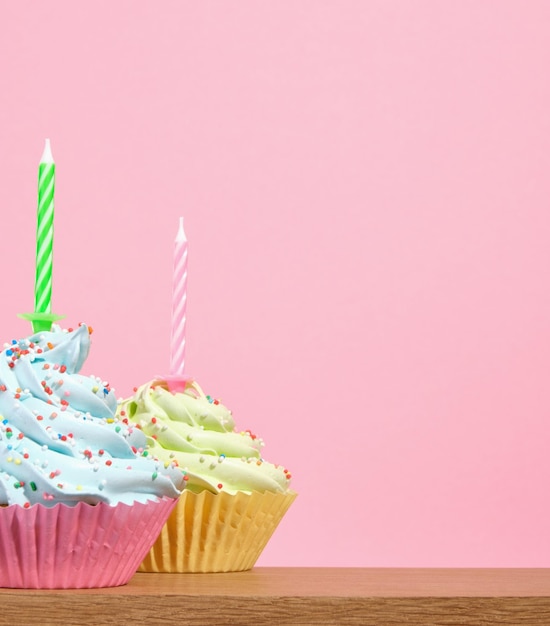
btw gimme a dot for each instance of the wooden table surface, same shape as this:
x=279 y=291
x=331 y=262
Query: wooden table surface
x=294 y=596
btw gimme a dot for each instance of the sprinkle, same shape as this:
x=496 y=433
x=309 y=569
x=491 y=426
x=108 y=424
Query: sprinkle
x=50 y=345
x=155 y=475
x=108 y=462
x=220 y=485
x=33 y=486
x=63 y=369
x=39 y=418
x=101 y=452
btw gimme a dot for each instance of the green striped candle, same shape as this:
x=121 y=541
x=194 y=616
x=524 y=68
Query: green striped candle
x=43 y=317
x=44 y=232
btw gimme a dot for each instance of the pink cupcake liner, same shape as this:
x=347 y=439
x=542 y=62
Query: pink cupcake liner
x=79 y=547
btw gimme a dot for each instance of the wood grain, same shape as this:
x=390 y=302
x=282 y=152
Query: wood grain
x=295 y=596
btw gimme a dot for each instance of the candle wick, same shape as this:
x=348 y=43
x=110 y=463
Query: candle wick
x=181 y=233
x=47 y=156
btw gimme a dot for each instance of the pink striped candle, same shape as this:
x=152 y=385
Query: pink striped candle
x=179 y=305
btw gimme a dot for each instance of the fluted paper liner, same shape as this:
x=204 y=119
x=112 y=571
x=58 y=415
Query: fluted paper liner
x=220 y=532
x=77 y=547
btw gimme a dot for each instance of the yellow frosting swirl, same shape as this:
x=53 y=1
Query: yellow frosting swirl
x=199 y=433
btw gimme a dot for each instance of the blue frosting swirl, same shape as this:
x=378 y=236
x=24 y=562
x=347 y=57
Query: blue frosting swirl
x=60 y=440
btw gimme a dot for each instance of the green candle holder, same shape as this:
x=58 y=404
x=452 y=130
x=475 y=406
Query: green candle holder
x=41 y=321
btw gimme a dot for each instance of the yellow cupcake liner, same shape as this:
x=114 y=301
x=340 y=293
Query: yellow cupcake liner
x=221 y=532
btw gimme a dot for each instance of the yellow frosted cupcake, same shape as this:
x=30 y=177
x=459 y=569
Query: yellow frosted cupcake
x=233 y=499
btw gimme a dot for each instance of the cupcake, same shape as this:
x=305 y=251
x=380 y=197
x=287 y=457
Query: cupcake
x=233 y=499
x=81 y=499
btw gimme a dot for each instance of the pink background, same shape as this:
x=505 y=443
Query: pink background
x=366 y=193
